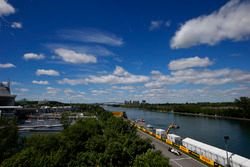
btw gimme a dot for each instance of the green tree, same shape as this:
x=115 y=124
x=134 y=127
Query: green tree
x=88 y=159
x=151 y=158
x=8 y=138
x=65 y=119
x=243 y=103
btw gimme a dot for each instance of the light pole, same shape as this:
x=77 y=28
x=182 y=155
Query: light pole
x=226 y=138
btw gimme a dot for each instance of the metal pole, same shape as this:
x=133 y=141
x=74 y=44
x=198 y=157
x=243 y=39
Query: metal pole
x=226 y=138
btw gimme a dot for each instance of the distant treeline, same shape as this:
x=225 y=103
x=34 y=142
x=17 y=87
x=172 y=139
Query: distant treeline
x=33 y=104
x=240 y=108
x=105 y=141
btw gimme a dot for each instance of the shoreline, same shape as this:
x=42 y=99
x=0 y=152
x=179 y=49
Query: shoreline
x=192 y=114
x=211 y=116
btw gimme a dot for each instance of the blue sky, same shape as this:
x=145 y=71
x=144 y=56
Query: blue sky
x=103 y=51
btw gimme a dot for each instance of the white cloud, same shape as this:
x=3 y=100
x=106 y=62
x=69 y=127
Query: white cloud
x=72 y=81
x=130 y=88
x=92 y=36
x=68 y=92
x=189 y=63
x=120 y=71
x=40 y=82
x=73 y=95
x=53 y=91
x=231 y=22
x=33 y=56
x=47 y=72
x=16 y=25
x=98 y=92
x=6 y=8
x=119 y=76
x=156 y=24
x=155 y=73
x=7 y=65
x=95 y=50
x=22 y=90
x=71 y=56
x=203 y=77
x=204 y=94
x=157 y=84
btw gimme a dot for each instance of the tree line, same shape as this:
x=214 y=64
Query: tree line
x=240 y=108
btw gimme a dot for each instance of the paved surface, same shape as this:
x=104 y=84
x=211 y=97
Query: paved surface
x=174 y=160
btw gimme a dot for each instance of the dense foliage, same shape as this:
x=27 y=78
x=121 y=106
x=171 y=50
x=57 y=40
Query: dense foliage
x=105 y=141
x=8 y=138
x=240 y=108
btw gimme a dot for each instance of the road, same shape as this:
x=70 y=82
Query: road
x=175 y=161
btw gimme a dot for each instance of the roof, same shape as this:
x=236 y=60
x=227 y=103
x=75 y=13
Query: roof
x=234 y=157
x=247 y=163
x=207 y=147
x=173 y=135
x=240 y=160
x=4 y=90
x=6 y=96
x=160 y=130
x=10 y=107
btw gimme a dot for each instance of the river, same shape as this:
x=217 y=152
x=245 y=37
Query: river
x=204 y=129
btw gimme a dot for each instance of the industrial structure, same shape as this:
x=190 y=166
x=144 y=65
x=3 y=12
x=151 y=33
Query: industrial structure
x=6 y=99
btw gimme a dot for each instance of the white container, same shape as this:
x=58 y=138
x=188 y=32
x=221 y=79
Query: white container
x=246 y=164
x=216 y=154
x=239 y=161
x=174 y=138
x=160 y=132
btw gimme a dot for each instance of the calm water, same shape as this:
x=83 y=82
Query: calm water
x=207 y=130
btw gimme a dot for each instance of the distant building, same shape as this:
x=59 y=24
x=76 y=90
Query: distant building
x=136 y=102
x=143 y=102
x=127 y=102
x=132 y=102
x=6 y=99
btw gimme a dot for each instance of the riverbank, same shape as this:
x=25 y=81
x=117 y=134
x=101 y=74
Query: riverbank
x=191 y=114
x=229 y=110
x=210 y=116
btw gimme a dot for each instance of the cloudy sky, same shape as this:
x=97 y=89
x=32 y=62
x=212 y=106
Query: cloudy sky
x=110 y=51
